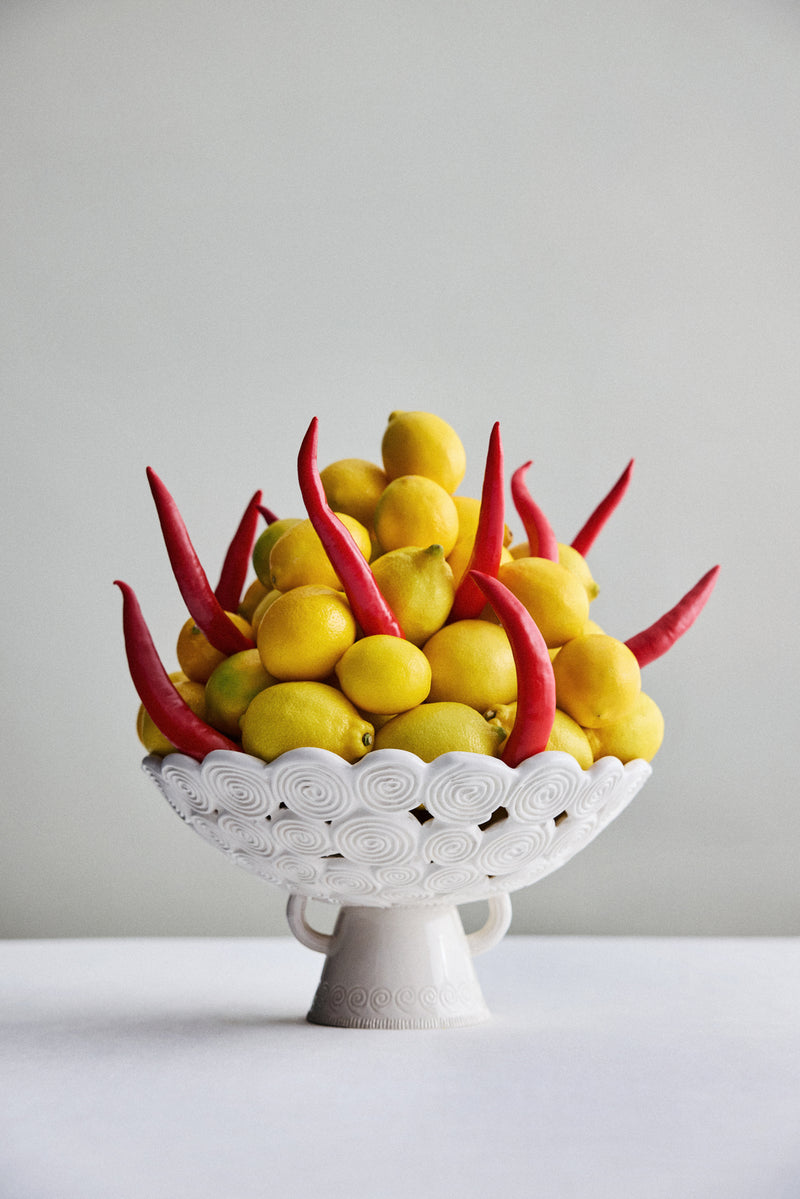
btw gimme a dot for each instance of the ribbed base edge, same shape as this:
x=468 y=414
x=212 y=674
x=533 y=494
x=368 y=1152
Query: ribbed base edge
x=462 y=1021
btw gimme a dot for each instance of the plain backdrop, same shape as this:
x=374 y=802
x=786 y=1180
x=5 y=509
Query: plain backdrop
x=219 y=220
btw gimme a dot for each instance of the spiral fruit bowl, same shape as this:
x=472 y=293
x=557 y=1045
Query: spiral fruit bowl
x=398 y=843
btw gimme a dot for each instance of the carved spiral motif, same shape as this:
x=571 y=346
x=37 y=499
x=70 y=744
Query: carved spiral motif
x=313 y=824
x=209 y=830
x=350 y=881
x=545 y=789
x=607 y=774
x=181 y=775
x=248 y=834
x=305 y=837
x=456 y=792
x=240 y=792
x=373 y=841
x=316 y=790
x=506 y=849
x=446 y=844
x=390 y=784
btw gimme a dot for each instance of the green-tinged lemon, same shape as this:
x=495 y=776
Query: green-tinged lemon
x=291 y=715
x=438 y=728
x=196 y=655
x=264 y=543
x=418 y=586
x=231 y=687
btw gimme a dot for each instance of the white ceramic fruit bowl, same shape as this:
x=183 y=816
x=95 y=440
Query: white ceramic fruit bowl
x=398 y=843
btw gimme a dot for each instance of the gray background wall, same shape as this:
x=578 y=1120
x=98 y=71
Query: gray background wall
x=222 y=219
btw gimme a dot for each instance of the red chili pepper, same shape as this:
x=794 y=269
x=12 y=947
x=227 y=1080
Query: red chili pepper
x=204 y=607
x=469 y=599
x=586 y=538
x=237 y=560
x=268 y=514
x=171 y=714
x=654 y=641
x=369 y=607
x=536 y=685
x=542 y=541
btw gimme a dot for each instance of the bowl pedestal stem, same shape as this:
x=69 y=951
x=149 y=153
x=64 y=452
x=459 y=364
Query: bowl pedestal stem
x=399 y=967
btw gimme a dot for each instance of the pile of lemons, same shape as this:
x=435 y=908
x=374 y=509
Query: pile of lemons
x=314 y=678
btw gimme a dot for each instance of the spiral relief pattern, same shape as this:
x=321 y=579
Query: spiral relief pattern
x=318 y=791
x=181 y=775
x=250 y=835
x=390 y=784
x=544 y=789
x=238 y=791
x=315 y=825
x=456 y=790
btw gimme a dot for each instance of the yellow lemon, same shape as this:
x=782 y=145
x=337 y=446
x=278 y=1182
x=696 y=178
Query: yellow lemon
x=231 y=687
x=305 y=632
x=264 y=603
x=298 y=556
x=597 y=679
x=196 y=656
x=354 y=486
x=472 y=663
x=440 y=728
x=419 y=443
x=264 y=543
x=384 y=674
x=459 y=557
x=418 y=586
x=638 y=734
x=577 y=564
x=414 y=510
x=291 y=715
x=469 y=510
x=251 y=599
x=566 y=734
x=555 y=598
x=150 y=735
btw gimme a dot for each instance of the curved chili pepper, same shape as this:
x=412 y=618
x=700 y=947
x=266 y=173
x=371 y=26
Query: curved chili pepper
x=542 y=541
x=204 y=607
x=268 y=514
x=469 y=599
x=654 y=641
x=169 y=711
x=237 y=560
x=369 y=607
x=536 y=685
x=585 y=539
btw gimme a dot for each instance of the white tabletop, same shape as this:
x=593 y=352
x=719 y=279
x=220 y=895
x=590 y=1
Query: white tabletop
x=164 y=1069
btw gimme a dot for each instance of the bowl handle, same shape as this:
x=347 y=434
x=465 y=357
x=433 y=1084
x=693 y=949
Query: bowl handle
x=496 y=925
x=301 y=929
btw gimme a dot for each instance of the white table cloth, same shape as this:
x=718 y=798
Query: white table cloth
x=630 y=1068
